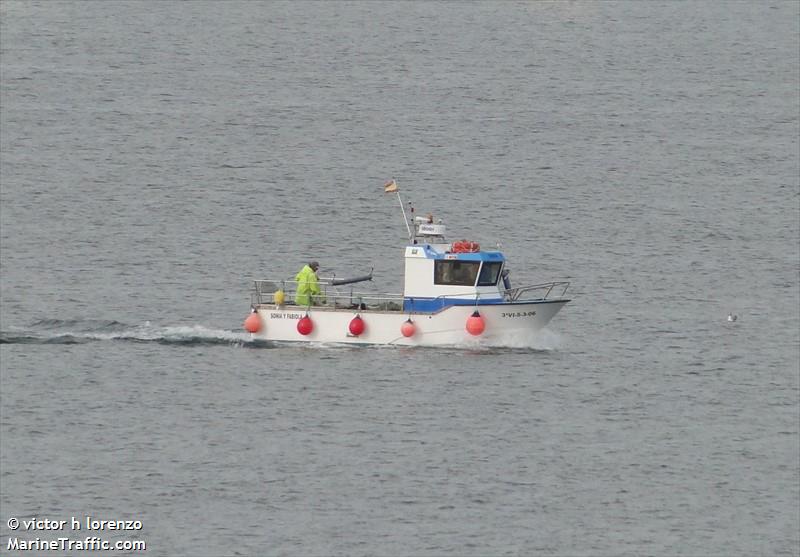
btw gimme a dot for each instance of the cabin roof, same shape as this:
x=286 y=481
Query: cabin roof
x=430 y=252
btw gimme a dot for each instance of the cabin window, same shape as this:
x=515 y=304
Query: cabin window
x=489 y=274
x=456 y=273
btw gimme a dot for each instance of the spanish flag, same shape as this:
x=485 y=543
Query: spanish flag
x=390 y=186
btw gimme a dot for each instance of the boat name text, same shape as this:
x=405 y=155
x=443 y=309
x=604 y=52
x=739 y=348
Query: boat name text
x=275 y=315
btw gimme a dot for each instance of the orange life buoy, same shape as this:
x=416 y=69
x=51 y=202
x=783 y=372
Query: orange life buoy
x=465 y=246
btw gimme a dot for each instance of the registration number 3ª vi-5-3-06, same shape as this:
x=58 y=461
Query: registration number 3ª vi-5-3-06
x=518 y=314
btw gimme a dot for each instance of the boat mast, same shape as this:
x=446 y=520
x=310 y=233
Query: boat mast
x=405 y=219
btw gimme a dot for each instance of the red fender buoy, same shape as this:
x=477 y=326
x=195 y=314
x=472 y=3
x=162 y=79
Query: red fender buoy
x=475 y=324
x=253 y=323
x=305 y=325
x=357 y=326
x=408 y=328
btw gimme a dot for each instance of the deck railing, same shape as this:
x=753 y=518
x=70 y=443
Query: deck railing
x=331 y=296
x=265 y=290
x=547 y=288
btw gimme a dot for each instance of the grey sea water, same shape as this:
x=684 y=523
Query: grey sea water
x=157 y=156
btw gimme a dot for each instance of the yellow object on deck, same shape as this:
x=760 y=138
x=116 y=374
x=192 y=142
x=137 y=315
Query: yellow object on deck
x=279 y=297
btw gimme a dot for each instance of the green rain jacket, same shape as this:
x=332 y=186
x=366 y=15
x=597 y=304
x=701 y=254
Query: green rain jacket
x=307 y=287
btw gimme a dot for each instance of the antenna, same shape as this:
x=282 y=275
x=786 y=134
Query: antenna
x=405 y=219
x=391 y=187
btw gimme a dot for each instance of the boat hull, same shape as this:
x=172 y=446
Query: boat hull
x=504 y=324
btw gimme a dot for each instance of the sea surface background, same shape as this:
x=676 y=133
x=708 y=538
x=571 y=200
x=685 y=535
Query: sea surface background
x=158 y=156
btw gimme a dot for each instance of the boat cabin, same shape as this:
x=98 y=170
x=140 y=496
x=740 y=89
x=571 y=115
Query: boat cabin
x=440 y=274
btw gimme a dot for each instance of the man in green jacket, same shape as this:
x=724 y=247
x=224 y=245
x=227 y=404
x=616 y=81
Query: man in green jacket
x=308 y=291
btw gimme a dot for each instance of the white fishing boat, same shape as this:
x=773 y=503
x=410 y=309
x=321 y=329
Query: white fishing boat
x=454 y=292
